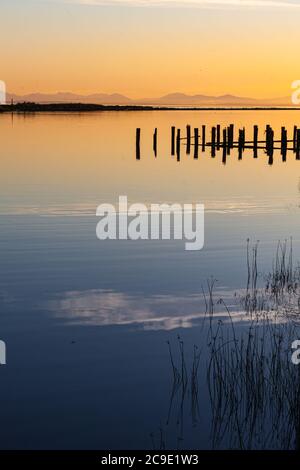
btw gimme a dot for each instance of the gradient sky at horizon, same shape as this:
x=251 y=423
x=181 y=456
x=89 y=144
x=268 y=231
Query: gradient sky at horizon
x=247 y=48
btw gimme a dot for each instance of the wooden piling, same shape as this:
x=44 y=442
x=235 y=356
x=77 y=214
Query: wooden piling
x=294 y=138
x=138 y=143
x=193 y=138
x=213 y=142
x=155 y=142
x=298 y=145
x=203 y=138
x=218 y=136
x=178 y=145
x=188 y=139
x=270 y=150
x=269 y=141
x=229 y=142
x=173 y=130
x=255 y=139
x=240 y=144
x=243 y=138
x=267 y=138
x=283 y=143
x=224 y=144
x=196 y=142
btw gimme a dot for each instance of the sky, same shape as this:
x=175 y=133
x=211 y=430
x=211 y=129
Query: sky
x=150 y=48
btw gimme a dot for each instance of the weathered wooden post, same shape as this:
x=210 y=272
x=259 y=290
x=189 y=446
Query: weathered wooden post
x=255 y=140
x=213 y=142
x=138 y=143
x=298 y=145
x=230 y=136
x=294 y=138
x=270 y=144
x=203 y=138
x=267 y=138
x=240 y=144
x=178 y=145
x=173 y=129
x=283 y=143
x=243 y=137
x=228 y=141
x=196 y=142
x=188 y=139
x=155 y=142
x=218 y=136
x=270 y=141
x=224 y=146
x=271 y=148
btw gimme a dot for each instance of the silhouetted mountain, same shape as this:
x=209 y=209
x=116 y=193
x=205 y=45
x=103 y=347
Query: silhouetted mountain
x=65 y=97
x=183 y=99
x=179 y=99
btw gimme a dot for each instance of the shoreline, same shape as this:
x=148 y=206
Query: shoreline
x=86 y=107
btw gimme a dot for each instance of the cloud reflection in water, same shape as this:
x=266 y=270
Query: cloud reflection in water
x=107 y=307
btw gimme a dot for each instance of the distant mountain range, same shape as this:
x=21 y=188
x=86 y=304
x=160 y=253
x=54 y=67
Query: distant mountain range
x=179 y=99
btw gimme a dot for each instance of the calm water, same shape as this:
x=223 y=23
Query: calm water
x=86 y=322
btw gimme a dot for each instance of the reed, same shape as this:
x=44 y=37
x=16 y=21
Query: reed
x=253 y=385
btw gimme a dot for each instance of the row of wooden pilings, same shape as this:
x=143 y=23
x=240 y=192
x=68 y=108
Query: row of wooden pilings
x=224 y=139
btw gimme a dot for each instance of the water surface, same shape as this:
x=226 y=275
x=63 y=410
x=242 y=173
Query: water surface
x=86 y=322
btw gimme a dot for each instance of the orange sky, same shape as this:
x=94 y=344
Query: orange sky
x=147 y=52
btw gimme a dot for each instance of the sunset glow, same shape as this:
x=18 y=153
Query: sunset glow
x=211 y=47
